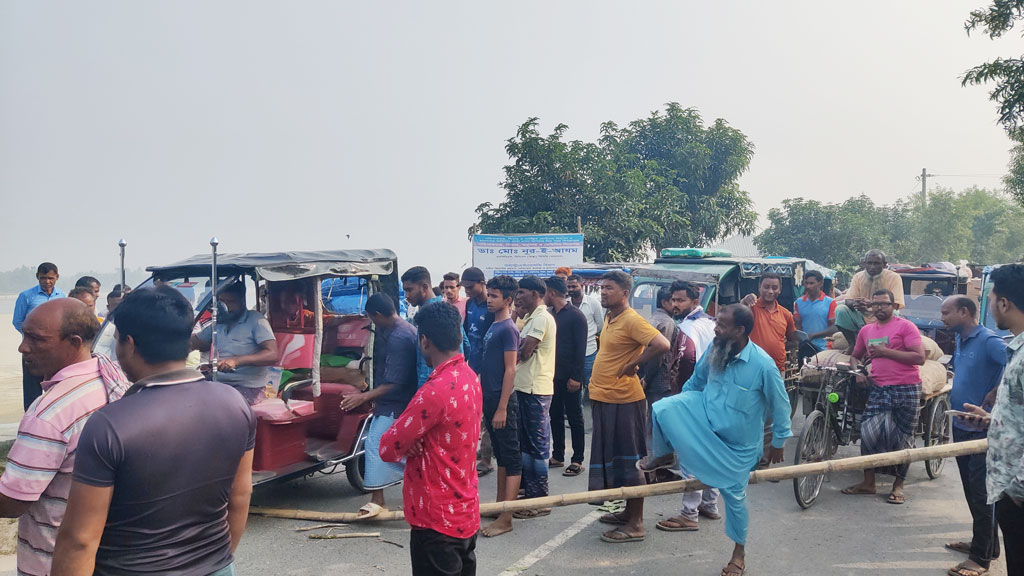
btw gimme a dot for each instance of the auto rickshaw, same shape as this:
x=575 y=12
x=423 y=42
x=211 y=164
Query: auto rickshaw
x=314 y=302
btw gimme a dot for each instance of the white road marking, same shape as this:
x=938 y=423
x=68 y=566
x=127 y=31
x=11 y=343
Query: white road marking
x=548 y=547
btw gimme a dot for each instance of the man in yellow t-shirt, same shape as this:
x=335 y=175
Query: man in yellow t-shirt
x=619 y=404
x=535 y=384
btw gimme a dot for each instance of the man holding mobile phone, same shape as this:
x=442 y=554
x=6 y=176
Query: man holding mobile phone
x=977 y=365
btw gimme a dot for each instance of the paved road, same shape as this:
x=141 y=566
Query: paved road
x=840 y=535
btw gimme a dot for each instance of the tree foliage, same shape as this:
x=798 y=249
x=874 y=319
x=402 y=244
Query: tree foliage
x=1007 y=76
x=664 y=180
x=978 y=225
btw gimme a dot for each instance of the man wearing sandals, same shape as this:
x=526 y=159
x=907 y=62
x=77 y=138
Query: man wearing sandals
x=894 y=403
x=618 y=403
x=570 y=355
x=715 y=424
x=394 y=384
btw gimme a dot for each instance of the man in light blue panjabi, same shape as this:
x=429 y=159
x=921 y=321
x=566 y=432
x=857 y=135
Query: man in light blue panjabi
x=715 y=425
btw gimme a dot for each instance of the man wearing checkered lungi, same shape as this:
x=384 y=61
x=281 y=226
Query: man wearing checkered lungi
x=893 y=345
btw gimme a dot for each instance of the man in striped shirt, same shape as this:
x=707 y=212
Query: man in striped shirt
x=56 y=346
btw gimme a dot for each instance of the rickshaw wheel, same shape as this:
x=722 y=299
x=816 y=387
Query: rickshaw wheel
x=938 y=431
x=354 y=470
x=812 y=446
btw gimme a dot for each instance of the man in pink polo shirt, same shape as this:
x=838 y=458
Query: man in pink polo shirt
x=56 y=346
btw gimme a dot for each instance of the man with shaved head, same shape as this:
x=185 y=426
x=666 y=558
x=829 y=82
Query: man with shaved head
x=853 y=311
x=978 y=361
x=56 y=346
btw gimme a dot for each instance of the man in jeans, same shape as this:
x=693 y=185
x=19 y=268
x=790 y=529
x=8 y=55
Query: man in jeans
x=475 y=323
x=1005 y=459
x=594 y=313
x=177 y=507
x=437 y=435
x=570 y=351
x=535 y=384
x=977 y=368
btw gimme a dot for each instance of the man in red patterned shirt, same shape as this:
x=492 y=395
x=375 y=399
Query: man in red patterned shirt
x=437 y=434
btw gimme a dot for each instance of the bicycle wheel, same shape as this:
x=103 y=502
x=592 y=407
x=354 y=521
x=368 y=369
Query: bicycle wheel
x=812 y=446
x=938 y=431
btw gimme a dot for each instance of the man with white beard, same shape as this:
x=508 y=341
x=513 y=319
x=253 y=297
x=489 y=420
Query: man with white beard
x=852 y=311
x=715 y=424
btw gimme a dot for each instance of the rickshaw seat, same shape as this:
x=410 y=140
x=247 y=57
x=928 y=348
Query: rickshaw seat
x=333 y=423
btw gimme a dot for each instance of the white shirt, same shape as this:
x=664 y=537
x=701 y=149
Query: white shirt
x=700 y=328
x=594 y=313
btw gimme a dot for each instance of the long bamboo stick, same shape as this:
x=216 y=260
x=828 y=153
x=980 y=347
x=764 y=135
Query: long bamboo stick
x=774 y=474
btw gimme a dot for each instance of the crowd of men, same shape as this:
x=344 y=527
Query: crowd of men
x=143 y=466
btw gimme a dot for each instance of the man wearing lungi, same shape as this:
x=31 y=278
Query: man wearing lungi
x=715 y=424
x=618 y=403
x=890 y=418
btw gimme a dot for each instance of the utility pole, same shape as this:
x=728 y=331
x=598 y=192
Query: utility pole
x=924 y=186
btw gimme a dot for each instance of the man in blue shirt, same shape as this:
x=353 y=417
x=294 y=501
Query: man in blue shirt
x=47 y=276
x=715 y=424
x=978 y=367
x=418 y=292
x=814 y=313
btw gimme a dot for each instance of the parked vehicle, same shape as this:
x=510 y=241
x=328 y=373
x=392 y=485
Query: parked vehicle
x=924 y=290
x=985 y=310
x=322 y=357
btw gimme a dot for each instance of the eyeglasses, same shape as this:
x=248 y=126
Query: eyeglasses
x=880 y=305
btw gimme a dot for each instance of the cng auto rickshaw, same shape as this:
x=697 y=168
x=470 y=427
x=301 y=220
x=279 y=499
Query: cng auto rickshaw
x=314 y=302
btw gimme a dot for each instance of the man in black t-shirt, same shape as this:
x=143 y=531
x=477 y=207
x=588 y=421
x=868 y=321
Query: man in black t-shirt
x=163 y=476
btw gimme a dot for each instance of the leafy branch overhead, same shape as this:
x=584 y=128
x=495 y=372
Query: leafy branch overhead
x=1007 y=76
x=664 y=180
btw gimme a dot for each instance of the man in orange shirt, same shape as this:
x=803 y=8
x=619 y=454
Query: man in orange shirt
x=773 y=329
x=619 y=405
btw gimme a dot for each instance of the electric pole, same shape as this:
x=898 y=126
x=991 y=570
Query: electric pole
x=924 y=186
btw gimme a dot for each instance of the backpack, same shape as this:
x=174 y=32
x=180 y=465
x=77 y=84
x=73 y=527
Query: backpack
x=680 y=360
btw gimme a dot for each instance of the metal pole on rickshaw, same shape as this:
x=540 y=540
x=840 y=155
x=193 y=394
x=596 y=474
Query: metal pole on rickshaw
x=213 y=312
x=124 y=287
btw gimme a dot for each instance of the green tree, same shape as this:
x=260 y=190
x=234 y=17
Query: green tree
x=665 y=180
x=1007 y=75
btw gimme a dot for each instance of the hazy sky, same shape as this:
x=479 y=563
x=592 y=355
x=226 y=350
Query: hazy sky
x=319 y=125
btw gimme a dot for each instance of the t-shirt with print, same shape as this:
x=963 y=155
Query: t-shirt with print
x=440 y=491
x=501 y=337
x=537 y=374
x=239 y=339
x=170 y=448
x=396 y=366
x=897 y=334
x=623 y=340
x=477 y=321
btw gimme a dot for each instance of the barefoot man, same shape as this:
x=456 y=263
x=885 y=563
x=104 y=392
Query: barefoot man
x=715 y=424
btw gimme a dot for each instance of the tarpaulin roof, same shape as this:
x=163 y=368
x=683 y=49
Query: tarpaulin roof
x=277 y=266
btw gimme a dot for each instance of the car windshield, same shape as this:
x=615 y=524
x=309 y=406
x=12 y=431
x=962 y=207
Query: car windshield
x=193 y=288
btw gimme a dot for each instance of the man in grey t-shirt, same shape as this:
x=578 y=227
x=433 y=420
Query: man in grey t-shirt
x=245 y=345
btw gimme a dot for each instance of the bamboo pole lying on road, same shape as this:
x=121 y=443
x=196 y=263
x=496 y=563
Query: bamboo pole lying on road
x=773 y=475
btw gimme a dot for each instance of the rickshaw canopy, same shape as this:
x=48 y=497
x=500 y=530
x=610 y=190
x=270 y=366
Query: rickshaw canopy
x=281 y=266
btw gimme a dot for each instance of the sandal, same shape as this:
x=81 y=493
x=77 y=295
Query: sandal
x=573 y=469
x=961 y=547
x=896 y=499
x=962 y=569
x=727 y=572
x=370 y=510
x=627 y=537
x=856 y=490
x=552 y=463
x=530 y=514
x=613 y=518
x=676 y=524
x=708 y=515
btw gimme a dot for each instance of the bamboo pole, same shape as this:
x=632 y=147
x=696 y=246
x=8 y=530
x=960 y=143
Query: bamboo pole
x=771 y=475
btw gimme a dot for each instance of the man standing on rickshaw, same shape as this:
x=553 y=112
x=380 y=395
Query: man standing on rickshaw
x=890 y=418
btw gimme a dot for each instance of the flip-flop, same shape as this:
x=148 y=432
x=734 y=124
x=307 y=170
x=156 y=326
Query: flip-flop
x=530 y=514
x=628 y=537
x=613 y=519
x=679 y=525
x=961 y=547
x=896 y=499
x=708 y=515
x=483 y=470
x=371 y=511
x=856 y=491
x=573 y=469
x=552 y=463
x=961 y=569
x=727 y=572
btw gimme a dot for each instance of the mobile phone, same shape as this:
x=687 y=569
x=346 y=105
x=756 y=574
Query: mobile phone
x=961 y=413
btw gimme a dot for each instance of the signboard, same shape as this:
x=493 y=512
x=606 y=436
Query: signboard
x=522 y=255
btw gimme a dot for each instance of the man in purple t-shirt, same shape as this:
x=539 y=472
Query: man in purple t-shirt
x=890 y=418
